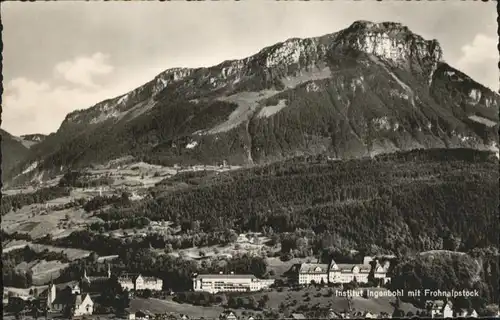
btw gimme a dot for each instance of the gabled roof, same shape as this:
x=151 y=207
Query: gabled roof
x=225 y=276
x=87 y=298
x=313 y=268
x=467 y=312
x=228 y=314
x=348 y=267
x=298 y=316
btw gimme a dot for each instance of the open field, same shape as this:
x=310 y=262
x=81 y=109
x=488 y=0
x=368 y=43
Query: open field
x=10 y=192
x=319 y=298
x=43 y=271
x=165 y=306
x=38 y=220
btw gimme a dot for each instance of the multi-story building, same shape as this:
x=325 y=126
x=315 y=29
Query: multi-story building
x=313 y=273
x=345 y=273
x=151 y=283
x=341 y=273
x=127 y=281
x=214 y=283
x=139 y=282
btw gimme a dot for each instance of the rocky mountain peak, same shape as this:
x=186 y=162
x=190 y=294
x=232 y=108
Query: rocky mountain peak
x=393 y=42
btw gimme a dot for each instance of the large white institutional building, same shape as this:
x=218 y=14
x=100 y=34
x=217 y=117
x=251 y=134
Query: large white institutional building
x=341 y=273
x=214 y=283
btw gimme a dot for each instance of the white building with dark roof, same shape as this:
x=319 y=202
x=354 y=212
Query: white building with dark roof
x=214 y=283
x=313 y=273
x=151 y=283
x=127 y=281
x=342 y=273
x=345 y=273
x=140 y=282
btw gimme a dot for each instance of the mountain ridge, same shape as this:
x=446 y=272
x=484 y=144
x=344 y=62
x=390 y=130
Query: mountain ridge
x=369 y=88
x=288 y=52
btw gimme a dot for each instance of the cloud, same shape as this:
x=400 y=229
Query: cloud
x=479 y=60
x=40 y=107
x=81 y=70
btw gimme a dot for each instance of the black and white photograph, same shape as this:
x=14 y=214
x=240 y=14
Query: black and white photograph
x=250 y=160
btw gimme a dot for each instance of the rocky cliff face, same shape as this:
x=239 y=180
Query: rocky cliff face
x=370 y=88
x=393 y=42
x=389 y=41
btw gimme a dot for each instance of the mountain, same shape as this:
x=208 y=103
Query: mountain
x=370 y=88
x=32 y=139
x=13 y=151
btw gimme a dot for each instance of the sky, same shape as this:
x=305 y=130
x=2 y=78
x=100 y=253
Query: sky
x=62 y=56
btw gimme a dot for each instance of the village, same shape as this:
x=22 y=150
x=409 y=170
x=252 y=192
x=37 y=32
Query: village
x=346 y=282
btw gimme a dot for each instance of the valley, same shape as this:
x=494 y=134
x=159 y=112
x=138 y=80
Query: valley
x=284 y=214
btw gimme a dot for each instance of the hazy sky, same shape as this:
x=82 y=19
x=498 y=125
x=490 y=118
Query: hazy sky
x=62 y=56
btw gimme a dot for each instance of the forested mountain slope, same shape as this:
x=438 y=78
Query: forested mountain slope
x=13 y=151
x=403 y=202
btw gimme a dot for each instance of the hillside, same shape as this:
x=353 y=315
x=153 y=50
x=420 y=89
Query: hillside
x=443 y=201
x=368 y=89
x=13 y=151
x=408 y=202
x=31 y=139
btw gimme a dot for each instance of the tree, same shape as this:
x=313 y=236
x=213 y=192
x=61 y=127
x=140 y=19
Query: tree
x=263 y=301
x=239 y=302
x=168 y=248
x=223 y=300
x=451 y=242
x=252 y=303
x=232 y=303
x=147 y=293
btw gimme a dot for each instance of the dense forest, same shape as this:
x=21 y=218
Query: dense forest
x=12 y=152
x=81 y=179
x=412 y=201
x=17 y=201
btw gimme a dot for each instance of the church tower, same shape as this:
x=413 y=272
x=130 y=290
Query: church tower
x=51 y=294
x=85 y=277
